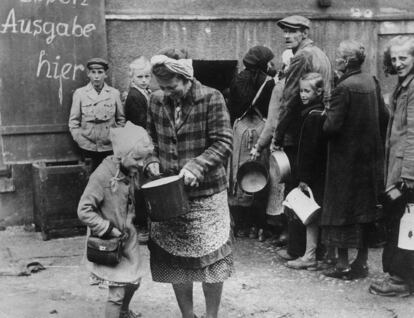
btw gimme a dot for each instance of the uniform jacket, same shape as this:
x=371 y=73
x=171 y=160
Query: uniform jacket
x=202 y=141
x=400 y=134
x=308 y=58
x=353 y=126
x=136 y=106
x=92 y=115
x=98 y=207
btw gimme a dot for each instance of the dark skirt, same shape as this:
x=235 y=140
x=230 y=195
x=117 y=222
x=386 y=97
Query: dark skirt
x=345 y=236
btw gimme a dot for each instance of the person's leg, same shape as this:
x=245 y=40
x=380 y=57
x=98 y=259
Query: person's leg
x=212 y=293
x=114 y=302
x=362 y=257
x=343 y=261
x=296 y=237
x=129 y=293
x=312 y=231
x=184 y=295
x=308 y=260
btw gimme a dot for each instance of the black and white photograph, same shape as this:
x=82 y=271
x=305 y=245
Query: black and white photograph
x=207 y=159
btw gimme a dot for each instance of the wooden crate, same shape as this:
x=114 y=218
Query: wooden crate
x=57 y=188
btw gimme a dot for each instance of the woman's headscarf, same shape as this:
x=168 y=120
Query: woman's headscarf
x=181 y=66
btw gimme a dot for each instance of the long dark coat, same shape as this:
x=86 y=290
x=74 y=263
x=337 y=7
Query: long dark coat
x=311 y=158
x=355 y=163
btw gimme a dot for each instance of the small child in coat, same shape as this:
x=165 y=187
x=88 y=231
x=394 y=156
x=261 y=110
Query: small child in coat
x=136 y=104
x=107 y=208
x=136 y=107
x=311 y=159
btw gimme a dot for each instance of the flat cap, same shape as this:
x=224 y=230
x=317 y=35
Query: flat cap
x=97 y=62
x=294 y=22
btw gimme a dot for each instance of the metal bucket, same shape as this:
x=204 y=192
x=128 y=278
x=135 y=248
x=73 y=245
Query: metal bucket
x=281 y=164
x=166 y=198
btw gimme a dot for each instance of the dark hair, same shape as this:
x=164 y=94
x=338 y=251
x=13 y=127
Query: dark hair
x=399 y=40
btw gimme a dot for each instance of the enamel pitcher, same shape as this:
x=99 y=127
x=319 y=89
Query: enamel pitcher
x=304 y=206
x=406 y=234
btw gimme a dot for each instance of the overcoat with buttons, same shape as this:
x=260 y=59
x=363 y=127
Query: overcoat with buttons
x=202 y=141
x=354 y=126
x=93 y=114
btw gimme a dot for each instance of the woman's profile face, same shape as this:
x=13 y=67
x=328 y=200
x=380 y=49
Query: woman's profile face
x=340 y=61
x=174 y=88
x=402 y=60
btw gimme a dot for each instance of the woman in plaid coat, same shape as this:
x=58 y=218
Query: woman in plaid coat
x=190 y=128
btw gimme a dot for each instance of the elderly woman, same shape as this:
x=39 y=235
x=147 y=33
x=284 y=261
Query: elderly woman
x=190 y=127
x=399 y=263
x=354 y=176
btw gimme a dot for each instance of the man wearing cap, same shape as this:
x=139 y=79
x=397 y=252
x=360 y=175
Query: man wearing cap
x=307 y=58
x=96 y=108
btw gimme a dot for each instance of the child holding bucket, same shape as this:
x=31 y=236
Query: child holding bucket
x=107 y=208
x=311 y=159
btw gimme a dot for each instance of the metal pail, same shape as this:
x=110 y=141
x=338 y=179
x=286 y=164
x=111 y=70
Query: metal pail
x=166 y=198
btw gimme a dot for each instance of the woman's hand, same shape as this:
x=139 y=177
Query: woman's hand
x=153 y=169
x=115 y=232
x=254 y=153
x=303 y=186
x=189 y=178
x=274 y=147
x=409 y=183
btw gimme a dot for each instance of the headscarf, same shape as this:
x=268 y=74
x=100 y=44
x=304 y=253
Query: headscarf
x=181 y=66
x=258 y=57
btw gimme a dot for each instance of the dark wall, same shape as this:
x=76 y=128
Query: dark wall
x=258 y=8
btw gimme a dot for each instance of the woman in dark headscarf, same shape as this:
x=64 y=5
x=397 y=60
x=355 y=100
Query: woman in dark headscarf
x=249 y=211
x=244 y=87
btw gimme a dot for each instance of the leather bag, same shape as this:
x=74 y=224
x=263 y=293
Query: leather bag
x=104 y=251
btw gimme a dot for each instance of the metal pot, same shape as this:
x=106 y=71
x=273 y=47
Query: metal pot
x=281 y=163
x=166 y=198
x=252 y=176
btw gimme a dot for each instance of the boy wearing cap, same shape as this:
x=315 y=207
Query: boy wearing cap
x=307 y=58
x=96 y=108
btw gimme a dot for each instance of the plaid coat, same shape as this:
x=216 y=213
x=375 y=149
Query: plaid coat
x=202 y=141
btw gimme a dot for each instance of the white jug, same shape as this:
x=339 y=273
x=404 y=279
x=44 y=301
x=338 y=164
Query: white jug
x=406 y=234
x=304 y=206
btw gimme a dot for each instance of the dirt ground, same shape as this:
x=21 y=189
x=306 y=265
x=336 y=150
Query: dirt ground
x=262 y=286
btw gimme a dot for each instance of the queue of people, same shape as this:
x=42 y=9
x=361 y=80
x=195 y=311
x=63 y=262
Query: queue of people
x=339 y=138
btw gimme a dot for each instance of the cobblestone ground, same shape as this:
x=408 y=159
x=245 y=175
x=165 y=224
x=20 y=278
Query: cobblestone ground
x=262 y=286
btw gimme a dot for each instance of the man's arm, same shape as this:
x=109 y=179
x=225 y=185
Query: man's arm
x=291 y=99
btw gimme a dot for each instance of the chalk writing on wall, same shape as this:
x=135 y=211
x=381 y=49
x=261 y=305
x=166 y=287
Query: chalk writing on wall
x=44 y=45
x=50 y=30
